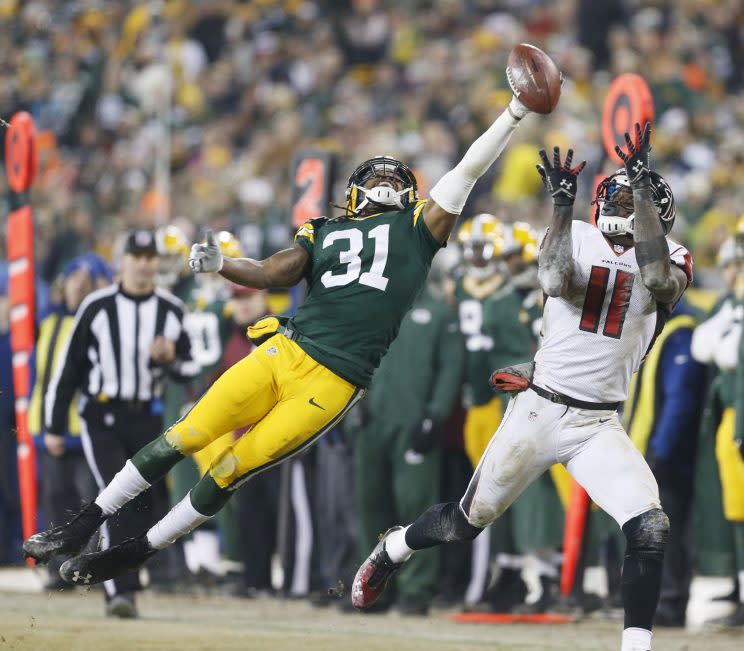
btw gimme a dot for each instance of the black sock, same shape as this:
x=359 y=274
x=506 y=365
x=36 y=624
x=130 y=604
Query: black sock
x=442 y=523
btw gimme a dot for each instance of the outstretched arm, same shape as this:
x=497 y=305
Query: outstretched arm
x=555 y=264
x=449 y=195
x=665 y=281
x=283 y=269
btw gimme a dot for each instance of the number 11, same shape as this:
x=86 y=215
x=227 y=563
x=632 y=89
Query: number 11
x=595 y=296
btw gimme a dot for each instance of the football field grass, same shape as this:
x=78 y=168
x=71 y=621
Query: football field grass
x=75 y=622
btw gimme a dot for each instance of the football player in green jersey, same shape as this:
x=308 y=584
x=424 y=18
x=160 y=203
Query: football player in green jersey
x=364 y=271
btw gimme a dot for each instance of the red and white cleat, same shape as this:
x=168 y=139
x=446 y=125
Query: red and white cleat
x=372 y=577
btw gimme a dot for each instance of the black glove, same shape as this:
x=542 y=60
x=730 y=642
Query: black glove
x=426 y=437
x=636 y=161
x=560 y=180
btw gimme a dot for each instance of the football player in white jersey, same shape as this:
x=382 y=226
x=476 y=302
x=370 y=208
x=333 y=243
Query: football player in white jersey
x=608 y=287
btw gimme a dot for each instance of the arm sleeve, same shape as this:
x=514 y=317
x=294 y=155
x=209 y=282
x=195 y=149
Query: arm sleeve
x=69 y=373
x=727 y=345
x=448 y=372
x=707 y=335
x=675 y=432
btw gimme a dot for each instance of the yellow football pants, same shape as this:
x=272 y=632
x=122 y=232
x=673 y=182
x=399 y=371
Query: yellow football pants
x=730 y=467
x=288 y=398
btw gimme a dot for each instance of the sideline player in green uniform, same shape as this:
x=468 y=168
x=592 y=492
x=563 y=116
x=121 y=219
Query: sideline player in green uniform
x=489 y=309
x=717 y=341
x=364 y=271
x=397 y=453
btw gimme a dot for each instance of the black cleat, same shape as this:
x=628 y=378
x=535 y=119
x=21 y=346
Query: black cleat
x=734 y=620
x=504 y=596
x=97 y=567
x=732 y=596
x=122 y=606
x=68 y=538
x=372 y=577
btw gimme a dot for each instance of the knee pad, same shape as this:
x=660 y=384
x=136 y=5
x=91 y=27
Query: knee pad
x=647 y=533
x=225 y=469
x=185 y=438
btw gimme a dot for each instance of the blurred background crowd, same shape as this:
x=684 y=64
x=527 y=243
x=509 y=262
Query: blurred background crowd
x=179 y=115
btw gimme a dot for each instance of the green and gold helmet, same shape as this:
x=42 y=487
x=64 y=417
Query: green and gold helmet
x=173 y=254
x=483 y=239
x=229 y=244
x=526 y=240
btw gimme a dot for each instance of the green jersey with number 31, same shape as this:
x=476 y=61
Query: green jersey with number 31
x=363 y=277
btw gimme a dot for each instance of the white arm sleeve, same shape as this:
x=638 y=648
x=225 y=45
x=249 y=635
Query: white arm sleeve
x=707 y=336
x=452 y=190
x=727 y=350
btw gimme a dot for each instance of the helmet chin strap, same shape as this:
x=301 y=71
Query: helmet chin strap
x=382 y=195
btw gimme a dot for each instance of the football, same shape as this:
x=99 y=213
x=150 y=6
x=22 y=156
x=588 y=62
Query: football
x=534 y=78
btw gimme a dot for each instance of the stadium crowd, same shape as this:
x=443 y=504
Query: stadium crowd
x=222 y=94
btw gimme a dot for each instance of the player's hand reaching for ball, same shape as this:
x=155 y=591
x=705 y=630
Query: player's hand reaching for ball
x=560 y=179
x=206 y=257
x=636 y=159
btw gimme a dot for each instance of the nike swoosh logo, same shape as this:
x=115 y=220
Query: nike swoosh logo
x=315 y=404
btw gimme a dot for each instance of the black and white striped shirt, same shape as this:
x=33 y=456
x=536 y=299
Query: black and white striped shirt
x=108 y=353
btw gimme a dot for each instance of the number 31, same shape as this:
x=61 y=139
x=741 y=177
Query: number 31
x=372 y=278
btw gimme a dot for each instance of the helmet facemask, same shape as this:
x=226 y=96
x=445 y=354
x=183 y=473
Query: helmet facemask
x=481 y=259
x=615 y=207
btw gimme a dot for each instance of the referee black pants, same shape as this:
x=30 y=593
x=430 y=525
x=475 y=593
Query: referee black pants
x=111 y=433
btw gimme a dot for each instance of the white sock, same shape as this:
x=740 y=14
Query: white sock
x=546 y=569
x=510 y=561
x=395 y=546
x=191 y=554
x=636 y=639
x=179 y=521
x=741 y=586
x=208 y=548
x=125 y=486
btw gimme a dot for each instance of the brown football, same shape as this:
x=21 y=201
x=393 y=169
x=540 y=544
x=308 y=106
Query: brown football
x=534 y=78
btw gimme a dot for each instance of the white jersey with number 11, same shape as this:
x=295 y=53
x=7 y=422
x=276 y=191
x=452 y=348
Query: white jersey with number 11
x=594 y=339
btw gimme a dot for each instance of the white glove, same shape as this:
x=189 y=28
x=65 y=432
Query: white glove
x=207 y=257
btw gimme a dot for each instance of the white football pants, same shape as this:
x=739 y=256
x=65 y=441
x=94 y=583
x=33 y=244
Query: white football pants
x=536 y=433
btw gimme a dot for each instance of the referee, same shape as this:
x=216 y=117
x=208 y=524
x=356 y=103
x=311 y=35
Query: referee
x=126 y=341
